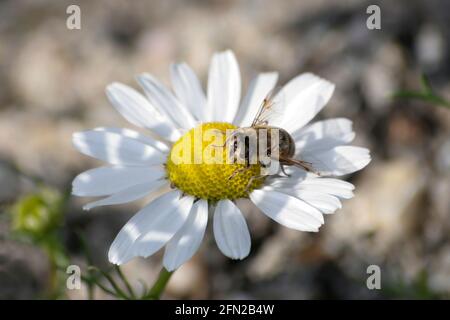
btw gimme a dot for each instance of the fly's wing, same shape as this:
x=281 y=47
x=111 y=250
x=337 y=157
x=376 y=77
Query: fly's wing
x=271 y=109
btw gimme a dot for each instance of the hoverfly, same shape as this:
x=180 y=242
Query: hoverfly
x=284 y=149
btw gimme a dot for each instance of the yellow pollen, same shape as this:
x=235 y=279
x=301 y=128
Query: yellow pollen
x=198 y=165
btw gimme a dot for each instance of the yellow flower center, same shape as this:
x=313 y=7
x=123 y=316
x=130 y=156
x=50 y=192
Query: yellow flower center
x=199 y=165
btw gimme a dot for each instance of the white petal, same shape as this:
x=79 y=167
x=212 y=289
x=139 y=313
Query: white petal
x=336 y=187
x=224 y=87
x=322 y=193
x=116 y=148
x=304 y=96
x=161 y=146
x=188 y=89
x=231 y=231
x=339 y=160
x=137 y=110
x=108 y=180
x=323 y=135
x=127 y=195
x=258 y=89
x=187 y=240
x=166 y=103
x=324 y=202
x=151 y=228
x=287 y=210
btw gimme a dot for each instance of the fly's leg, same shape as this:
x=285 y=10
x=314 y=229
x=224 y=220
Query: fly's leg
x=309 y=167
x=284 y=172
x=251 y=180
x=239 y=170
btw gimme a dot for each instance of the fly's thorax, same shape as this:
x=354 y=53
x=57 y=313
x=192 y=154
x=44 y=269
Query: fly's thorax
x=277 y=139
x=261 y=145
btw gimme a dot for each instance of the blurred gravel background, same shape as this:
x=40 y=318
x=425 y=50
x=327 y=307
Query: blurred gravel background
x=52 y=83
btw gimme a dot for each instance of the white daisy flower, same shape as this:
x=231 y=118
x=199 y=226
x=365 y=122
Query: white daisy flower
x=140 y=165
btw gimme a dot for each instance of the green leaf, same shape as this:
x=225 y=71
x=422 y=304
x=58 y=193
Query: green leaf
x=427 y=94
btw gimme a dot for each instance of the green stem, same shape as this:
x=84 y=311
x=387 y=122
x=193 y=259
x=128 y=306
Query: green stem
x=125 y=281
x=90 y=290
x=102 y=287
x=159 y=286
x=87 y=253
x=53 y=277
x=114 y=285
x=57 y=257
